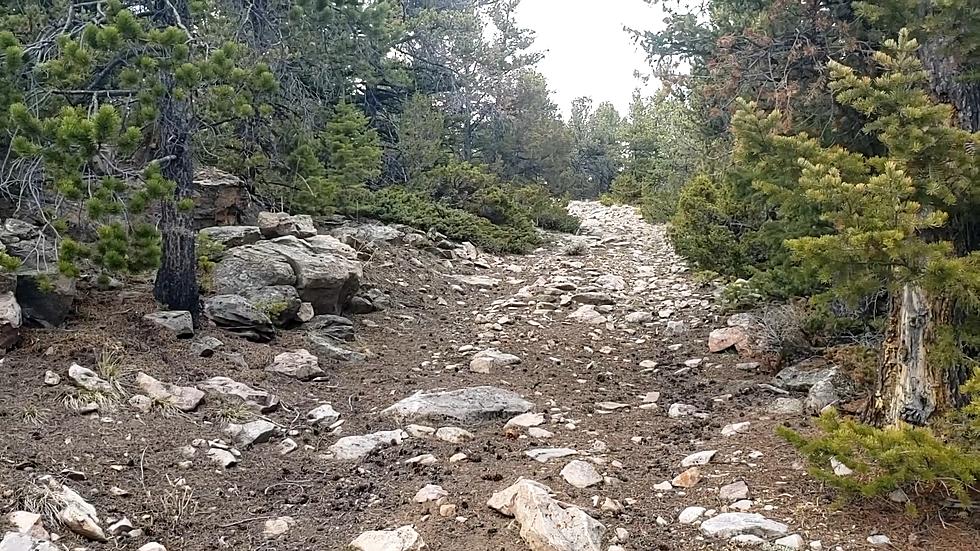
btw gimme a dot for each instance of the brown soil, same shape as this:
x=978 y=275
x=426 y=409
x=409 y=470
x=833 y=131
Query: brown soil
x=562 y=371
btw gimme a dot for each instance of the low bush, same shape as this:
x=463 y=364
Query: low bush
x=882 y=460
x=401 y=206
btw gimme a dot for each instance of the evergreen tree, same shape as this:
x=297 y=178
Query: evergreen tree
x=888 y=226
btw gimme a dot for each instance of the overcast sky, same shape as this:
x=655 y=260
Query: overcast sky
x=587 y=52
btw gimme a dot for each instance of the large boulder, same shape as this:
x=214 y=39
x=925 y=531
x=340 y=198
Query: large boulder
x=236 y=314
x=359 y=236
x=802 y=376
x=466 y=406
x=327 y=281
x=281 y=302
x=220 y=199
x=252 y=267
x=232 y=236
x=24 y=241
x=282 y=224
x=45 y=299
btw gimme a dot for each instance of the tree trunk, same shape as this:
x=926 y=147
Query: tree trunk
x=948 y=82
x=910 y=388
x=176 y=282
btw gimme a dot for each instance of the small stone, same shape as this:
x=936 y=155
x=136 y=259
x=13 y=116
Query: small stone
x=581 y=474
x=735 y=428
x=680 y=410
x=424 y=459
x=879 y=540
x=454 y=435
x=205 y=346
x=51 y=378
x=419 y=431
x=254 y=432
x=287 y=446
x=690 y=515
x=687 y=479
x=794 y=541
x=663 y=486
x=538 y=432
x=401 y=539
x=840 y=469
x=699 y=458
x=734 y=491
x=650 y=397
x=121 y=526
x=490 y=359
x=179 y=322
x=543 y=455
x=447 y=510
x=727 y=525
x=299 y=364
x=748 y=540
x=153 y=546
x=322 y=415
x=456 y=458
x=429 y=492
x=277 y=526
x=526 y=420
x=741 y=505
x=142 y=403
x=222 y=457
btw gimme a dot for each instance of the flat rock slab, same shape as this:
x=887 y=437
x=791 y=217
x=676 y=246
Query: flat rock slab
x=726 y=525
x=353 y=448
x=466 y=406
x=543 y=455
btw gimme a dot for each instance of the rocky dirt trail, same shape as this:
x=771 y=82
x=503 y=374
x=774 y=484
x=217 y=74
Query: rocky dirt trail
x=568 y=402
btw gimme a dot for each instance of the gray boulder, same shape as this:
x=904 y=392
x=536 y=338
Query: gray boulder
x=726 y=525
x=237 y=315
x=800 y=377
x=178 y=322
x=821 y=395
x=258 y=399
x=233 y=236
x=334 y=327
x=281 y=303
x=45 y=299
x=281 y=224
x=466 y=406
x=370 y=300
x=327 y=281
x=327 y=348
x=252 y=267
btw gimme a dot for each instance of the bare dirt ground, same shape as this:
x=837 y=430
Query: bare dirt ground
x=128 y=464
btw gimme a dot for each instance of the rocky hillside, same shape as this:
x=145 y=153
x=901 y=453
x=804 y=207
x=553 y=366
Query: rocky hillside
x=377 y=388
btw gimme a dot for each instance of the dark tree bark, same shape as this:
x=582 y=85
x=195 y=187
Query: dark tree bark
x=947 y=77
x=911 y=387
x=176 y=281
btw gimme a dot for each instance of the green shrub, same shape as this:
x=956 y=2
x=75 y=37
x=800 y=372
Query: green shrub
x=398 y=205
x=884 y=460
x=659 y=205
x=547 y=212
x=706 y=228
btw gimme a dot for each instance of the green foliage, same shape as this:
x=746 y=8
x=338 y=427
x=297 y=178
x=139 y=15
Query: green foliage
x=884 y=460
x=399 y=205
x=208 y=252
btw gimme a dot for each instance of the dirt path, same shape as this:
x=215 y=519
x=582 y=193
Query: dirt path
x=593 y=370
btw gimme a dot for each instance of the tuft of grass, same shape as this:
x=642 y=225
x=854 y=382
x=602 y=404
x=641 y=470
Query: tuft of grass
x=575 y=248
x=235 y=413
x=33 y=415
x=110 y=366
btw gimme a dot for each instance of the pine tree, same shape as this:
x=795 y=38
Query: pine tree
x=893 y=223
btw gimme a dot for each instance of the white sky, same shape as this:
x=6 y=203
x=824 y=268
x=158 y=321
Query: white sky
x=587 y=52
